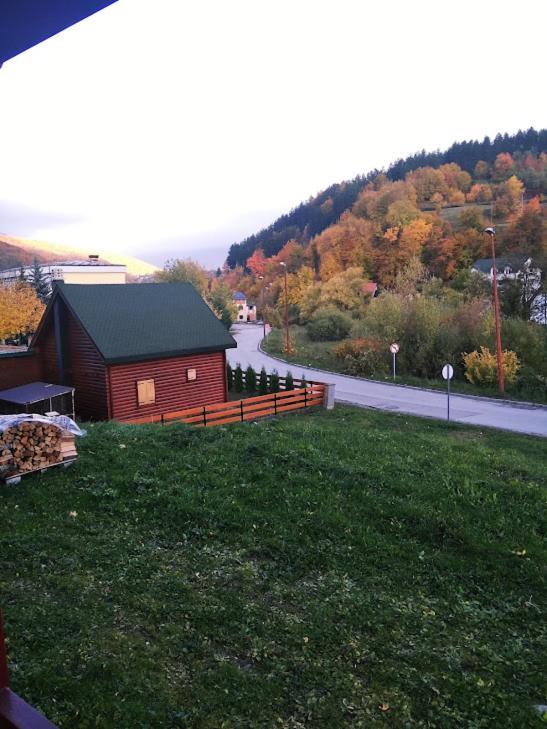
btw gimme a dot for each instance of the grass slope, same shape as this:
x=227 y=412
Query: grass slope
x=334 y=569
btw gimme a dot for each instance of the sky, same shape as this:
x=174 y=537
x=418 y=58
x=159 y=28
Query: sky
x=172 y=129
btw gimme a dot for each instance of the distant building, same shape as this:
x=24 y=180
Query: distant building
x=507 y=268
x=245 y=311
x=522 y=269
x=90 y=271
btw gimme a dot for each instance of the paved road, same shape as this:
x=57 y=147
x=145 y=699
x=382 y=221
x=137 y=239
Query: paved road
x=529 y=419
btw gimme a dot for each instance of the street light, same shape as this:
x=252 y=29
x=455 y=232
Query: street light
x=261 y=278
x=287 y=340
x=501 y=378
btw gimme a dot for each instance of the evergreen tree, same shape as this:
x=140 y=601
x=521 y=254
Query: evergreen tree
x=303 y=382
x=38 y=282
x=263 y=382
x=289 y=382
x=250 y=379
x=230 y=377
x=238 y=379
x=274 y=382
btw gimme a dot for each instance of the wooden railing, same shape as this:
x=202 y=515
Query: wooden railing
x=241 y=410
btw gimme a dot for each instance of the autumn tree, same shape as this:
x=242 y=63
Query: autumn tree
x=526 y=234
x=480 y=193
x=482 y=170
x=257 y=263
x=20 y=310
x=509 y=196
x=185 y=270
x=503 y=166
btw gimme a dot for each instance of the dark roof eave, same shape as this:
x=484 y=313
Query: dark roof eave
x=168 y=355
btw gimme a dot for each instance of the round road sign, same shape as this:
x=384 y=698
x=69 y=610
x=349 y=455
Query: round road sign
x=394 y=348
x=448 y=372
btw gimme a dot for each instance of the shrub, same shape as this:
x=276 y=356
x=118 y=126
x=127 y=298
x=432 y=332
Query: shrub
x=481 y=367
x=328 y=325
x=238 y=379
x=263 y=382
x=303 y=382
x=230 y=376
x=289 y=382
x=250 y=379
x=363 y=356
x=274 y=382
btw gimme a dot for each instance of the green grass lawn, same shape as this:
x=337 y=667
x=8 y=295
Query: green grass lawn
x=321 y=355
x=344 y=568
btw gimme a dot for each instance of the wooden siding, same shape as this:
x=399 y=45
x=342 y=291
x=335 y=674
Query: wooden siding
x=173 y=392
x=19 y=369
x=86 y=369
x=87 y=374
x=45 y=350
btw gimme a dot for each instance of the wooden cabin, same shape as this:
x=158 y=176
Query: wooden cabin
x=133 y=349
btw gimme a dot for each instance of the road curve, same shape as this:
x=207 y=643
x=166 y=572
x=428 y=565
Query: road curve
x=530 y=419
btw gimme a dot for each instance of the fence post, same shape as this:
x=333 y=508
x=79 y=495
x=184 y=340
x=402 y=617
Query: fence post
x=161 y=419
x=204 y=416
x=241 y=409
x=328 y=396
x=306 y=397
x=275 y=403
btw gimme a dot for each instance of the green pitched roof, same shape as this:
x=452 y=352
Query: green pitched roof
x=131 y=322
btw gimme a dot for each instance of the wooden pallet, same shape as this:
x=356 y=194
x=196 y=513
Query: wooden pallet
x=16 y=477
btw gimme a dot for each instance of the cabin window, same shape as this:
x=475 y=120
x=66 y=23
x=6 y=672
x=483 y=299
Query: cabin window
x=191 y=375
x=146 y=392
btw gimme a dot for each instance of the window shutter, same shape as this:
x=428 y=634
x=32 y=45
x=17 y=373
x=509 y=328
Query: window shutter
x=146 y=392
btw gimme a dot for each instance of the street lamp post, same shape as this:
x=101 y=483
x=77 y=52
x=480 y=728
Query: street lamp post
x=499 y=357
x=262 y=299
x=287 y=340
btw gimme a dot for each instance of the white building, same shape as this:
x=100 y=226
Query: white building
x=245 y=311
x=91 y=271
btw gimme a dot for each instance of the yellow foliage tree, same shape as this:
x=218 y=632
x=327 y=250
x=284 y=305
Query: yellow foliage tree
x=481 y=367
x=20 y=310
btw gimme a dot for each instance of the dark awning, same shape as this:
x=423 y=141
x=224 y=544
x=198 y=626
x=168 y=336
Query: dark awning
x=24 y=23
x=33 y=392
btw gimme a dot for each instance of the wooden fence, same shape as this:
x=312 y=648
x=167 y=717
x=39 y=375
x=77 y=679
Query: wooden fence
x=240 y=410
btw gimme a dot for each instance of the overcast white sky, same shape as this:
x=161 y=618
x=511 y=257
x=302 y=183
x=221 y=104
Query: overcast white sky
x=172 y=128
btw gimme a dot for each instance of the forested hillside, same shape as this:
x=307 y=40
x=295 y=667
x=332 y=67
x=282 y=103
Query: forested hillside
x=389 y=257
x=317 y=214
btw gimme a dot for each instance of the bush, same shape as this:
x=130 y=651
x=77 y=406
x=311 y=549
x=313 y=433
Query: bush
x=274 y=382
x=263 y=382
x=289 y=382
x=328 y=325
x=481 y=367
x=531 y=385
x=250 y=379
x=363 y=356
x=230 y=376
x=238 y=379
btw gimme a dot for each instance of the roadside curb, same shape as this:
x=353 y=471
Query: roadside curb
x=499 y=401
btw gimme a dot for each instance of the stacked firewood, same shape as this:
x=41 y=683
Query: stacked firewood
x=29 y=446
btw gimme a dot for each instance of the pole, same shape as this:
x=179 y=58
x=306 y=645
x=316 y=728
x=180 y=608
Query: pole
x=394 y=355
x=448 y=399
x=501 y=378
x=263 y=316
x=287 y=343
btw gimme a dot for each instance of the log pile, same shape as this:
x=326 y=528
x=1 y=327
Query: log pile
x=32 y=446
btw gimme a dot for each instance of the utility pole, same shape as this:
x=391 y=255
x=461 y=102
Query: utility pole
x=287 y=340
x=499 y=357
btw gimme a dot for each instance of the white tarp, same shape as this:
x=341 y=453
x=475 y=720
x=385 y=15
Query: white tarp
x=61 y=421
